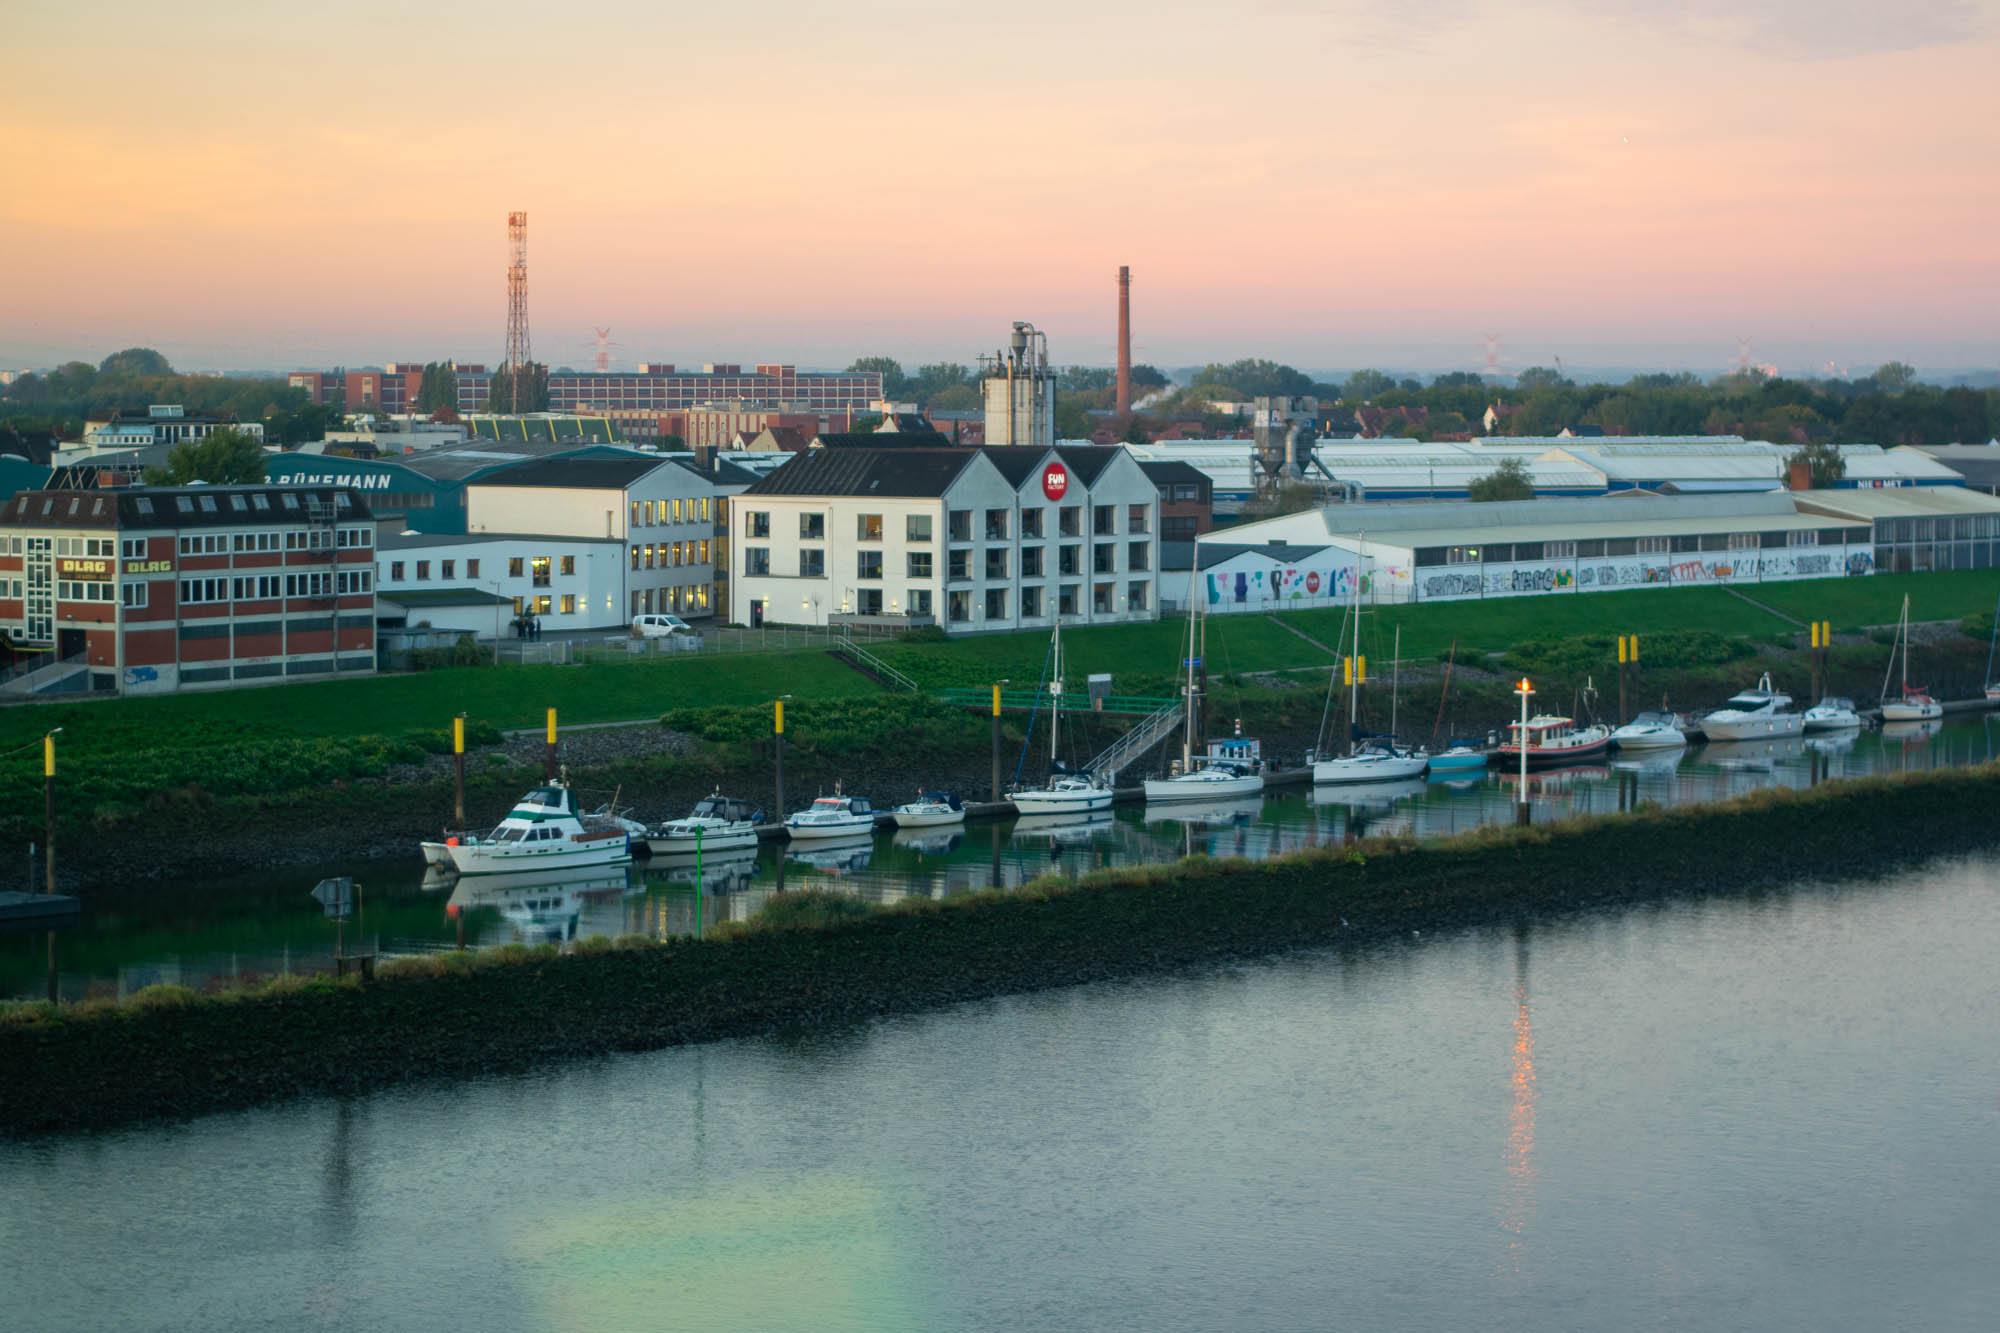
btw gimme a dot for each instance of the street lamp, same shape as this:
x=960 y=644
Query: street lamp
x=1524 y=689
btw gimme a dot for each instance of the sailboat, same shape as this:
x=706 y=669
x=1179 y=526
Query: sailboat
x=1231 y=767
x=1912 y=705
x=1064 y=793
x=1460 y=756
x=1378 y=759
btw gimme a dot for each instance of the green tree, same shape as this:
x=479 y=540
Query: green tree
x=1363 y=385
x=1507 y=481
x=1457 y=379
x=1148 y=377
x=1254 y=378
x=72 y=380
x=438 y=389
x=534 y=390
x=1542 y=377
x=934 y=379
x=1074 y=379
x=1072 y=418
x=1824 y=461
x=958 y=398
x=134 y=362
x=225 y=456
x=1136 y=432
x=891 y=371
x=1894 y=376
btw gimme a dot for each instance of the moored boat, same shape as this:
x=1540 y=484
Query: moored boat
x=543 y=831
x=1064 y=792
x=1459 y=758
x=1754 y=714
x=1913 y=703
x=1233 y=766
x=1655 y=729
x=833 y=816
x=717 y=823
x=930 y=811
x=1832 y=713
x=1551 y=741
x=1373 y=761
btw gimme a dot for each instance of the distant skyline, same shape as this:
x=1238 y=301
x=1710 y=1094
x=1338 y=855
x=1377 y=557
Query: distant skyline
x=1331 y=185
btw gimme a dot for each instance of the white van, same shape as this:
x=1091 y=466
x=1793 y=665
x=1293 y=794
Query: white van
x=659 y=627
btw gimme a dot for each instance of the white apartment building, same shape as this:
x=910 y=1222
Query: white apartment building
x=974 y=540
x=477 y=584
x=662 y=510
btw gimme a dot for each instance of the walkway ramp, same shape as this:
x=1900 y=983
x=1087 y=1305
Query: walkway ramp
x=1144 y=735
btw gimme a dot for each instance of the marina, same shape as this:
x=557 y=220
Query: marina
x=205 y=932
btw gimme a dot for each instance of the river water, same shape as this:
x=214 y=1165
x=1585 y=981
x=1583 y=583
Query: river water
x=1778 y=1110
x=207 y=932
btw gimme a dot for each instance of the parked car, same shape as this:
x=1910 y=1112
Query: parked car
x=659 y=627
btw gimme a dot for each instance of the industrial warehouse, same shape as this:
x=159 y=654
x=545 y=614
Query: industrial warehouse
x=1453 y=551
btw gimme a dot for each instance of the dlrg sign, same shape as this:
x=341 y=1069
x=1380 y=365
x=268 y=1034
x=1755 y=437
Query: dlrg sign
x=1055 y=481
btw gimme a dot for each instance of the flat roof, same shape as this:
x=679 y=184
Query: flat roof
x=1898 y=502
x=410 y=541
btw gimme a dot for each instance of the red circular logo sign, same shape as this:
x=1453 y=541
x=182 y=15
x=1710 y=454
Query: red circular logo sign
x=1312 y=581
x=1055 y=481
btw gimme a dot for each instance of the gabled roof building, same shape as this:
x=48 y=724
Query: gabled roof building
x=974 y=540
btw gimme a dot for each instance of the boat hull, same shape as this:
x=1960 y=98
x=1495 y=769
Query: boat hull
x=846 y=828
x=1911 y=712
x=1509 y=756
x=1833 y=722
x=438 y=854
x=1753 y=728
x=1061 y=802
x=920 y=819
x=482 y=858
x=1469 y=761
x=1372 y=768
x=1160 y=791
x=721 y=840
x=1661 y=739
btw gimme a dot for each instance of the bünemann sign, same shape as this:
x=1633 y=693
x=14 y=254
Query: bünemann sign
x=361 y=481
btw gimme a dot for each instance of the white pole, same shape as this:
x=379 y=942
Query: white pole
x=1524 y=689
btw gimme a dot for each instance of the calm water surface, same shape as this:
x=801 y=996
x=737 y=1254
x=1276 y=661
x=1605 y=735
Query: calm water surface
x=1777 y=1111
x=207 y=931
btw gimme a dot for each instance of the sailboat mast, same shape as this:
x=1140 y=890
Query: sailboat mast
x=1395 y=680
x=1187 y=732
x=1354 y=663
x=1055 y=704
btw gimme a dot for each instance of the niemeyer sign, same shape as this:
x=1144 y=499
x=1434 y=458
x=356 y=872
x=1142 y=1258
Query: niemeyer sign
x=1055 y=481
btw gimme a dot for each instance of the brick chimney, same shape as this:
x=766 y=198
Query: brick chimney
x=1798 y=475
x=1124 y=340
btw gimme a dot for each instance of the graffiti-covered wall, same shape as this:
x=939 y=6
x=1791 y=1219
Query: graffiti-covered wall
x=1689 y=569
x=1323 y=578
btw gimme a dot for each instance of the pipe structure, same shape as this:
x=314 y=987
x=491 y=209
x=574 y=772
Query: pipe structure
x=1124 y=340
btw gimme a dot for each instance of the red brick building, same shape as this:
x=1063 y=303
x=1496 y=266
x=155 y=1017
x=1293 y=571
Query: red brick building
x=159 y=588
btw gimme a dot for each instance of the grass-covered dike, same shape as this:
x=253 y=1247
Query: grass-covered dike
x=816 y=961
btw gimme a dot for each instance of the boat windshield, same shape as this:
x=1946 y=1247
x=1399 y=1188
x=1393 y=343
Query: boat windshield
x=830 y=805
x=1653 y=719
x=1837 y=703
x=1749 y=701
x=511 y=834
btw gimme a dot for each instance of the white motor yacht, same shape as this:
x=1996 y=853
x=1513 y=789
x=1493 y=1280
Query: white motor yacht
x=1755 y=715
x=1652 y=730
x=543 y=831
x=1208 y=783
x=832 y=817
x=1832 y=713
x=717 y=823
x=1378 y=761
x=930 y=811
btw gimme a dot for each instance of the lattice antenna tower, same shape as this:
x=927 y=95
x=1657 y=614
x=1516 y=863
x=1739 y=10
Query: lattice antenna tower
x=1496 y=352
x=1743 y=360
x=518 y=351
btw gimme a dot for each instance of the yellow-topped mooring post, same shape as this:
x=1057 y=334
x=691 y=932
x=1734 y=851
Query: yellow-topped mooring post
x=49 y=812
x=778 y=734
x=549 y=758
x=996 y=744
x=458 y=772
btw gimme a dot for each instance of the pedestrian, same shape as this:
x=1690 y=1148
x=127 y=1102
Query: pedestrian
x=538 y=629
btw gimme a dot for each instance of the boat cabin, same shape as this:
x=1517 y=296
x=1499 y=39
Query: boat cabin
x=727 y=808
x=545 y=803
x=1236 y=754
x=841 y=805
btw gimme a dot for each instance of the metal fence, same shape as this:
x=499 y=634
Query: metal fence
x=768 y=639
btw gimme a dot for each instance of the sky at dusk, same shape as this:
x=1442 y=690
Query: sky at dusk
x=1330 y=183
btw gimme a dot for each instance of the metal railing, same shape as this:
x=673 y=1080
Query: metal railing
x=30 y=677
x=1144 y=735
x=1024 y=701
x=874 y=665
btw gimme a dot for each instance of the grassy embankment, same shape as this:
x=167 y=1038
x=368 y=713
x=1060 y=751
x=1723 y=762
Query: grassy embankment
x=126 y=765
x=818 y=960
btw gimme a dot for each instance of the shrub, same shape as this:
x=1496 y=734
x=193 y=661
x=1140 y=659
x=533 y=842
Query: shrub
x=809 y=909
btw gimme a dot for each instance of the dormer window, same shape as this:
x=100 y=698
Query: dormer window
x=184 y=503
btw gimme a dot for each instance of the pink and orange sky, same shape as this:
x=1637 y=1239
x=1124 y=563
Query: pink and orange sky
x=1325 y=182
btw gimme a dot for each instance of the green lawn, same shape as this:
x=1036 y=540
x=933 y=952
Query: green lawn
x=1140 y=658
x=1492 y=625
x=1878 y=599
x=507 y=696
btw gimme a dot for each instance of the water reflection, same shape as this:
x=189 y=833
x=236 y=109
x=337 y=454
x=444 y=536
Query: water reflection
x=1521 y=1113
x=272 y=926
